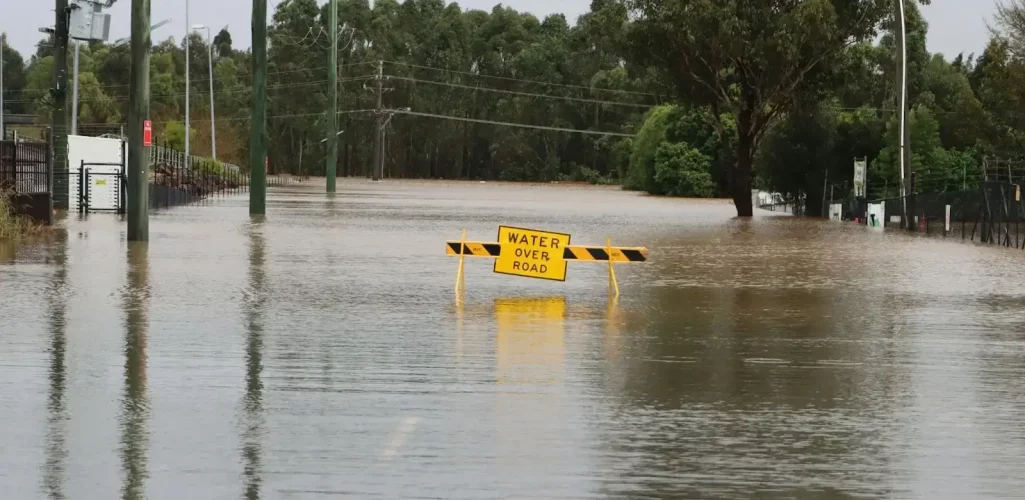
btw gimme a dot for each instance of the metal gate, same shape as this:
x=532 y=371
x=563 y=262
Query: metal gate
x=104 y=191
x=99 y=187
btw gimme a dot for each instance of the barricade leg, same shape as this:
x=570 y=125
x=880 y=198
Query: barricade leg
x=459 y=274
x=613 y=284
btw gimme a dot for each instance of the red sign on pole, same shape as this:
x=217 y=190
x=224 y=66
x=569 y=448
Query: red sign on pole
x=147 y=133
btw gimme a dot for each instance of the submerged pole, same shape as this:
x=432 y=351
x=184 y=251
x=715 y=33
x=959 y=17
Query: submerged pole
x=257 y=144
x=138 y=112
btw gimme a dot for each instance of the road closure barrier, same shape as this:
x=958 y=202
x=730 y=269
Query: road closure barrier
x=531 y=253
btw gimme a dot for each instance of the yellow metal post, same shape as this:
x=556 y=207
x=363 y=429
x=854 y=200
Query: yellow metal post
x=462 y=251
x=613 y=284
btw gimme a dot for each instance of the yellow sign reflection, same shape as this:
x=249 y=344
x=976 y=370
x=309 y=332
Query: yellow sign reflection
x=530 y=344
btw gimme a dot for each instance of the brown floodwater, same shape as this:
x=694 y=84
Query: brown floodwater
x=322 y=352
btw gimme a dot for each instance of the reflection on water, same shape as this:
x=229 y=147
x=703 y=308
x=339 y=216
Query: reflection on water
x=6 y=251
x=252 y=425
x=530 y=351
x=57 y=406
x=530 y=345
x=135 y=404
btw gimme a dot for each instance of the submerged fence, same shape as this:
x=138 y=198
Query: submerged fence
x=24 y=166
x=994 y=213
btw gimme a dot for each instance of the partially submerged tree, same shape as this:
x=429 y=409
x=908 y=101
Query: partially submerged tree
x=748 y=59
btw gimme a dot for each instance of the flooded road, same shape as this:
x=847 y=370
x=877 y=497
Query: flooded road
x=322 y=353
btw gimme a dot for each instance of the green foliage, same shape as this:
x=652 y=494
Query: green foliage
x=14 y=78
x=210 y=166
x=928 y=158
x=681 y=170
x=683 y=137
x=594 y=177
x=730 y=90
x=641 y=174
x=751 y=59
x=174 y=135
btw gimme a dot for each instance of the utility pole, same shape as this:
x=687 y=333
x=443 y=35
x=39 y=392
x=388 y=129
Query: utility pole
x=3 y=130
x=331 y=169
x=188 y=32
x=258 y=125
x=59 y=93
x=378 y=125
x=825 y=207
x=74 y=99
x=213 y=115
x=138 y=113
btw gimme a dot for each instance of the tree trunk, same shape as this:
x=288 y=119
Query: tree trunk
x=740 y=178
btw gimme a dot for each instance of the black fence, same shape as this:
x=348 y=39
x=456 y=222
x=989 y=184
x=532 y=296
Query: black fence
x=24 y=166
x=172 y=186
x=994 y=214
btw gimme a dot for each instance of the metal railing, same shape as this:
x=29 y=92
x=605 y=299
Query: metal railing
x=24 y=166
x=160 y=155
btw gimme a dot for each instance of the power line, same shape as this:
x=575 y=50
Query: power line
x=539 y=82
x=525 y=94
x=238 y=119
x=194 y=81
x=509 y=124
x=229 y=90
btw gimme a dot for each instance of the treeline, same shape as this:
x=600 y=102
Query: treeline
x=476 y=70
x=684 y=98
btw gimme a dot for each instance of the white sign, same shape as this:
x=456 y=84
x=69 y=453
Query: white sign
x=860 y=172
x=876 y=214
x=836 y=211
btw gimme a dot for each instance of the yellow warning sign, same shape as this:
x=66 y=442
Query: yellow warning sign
x=531 y=253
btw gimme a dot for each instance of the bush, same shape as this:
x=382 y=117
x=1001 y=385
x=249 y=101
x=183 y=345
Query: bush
x=210 y=166
x=681 y=170
x=640 y=176
x=174 y=135
x=594 y=177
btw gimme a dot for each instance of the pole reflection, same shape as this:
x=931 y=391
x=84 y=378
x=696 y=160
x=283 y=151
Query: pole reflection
x=134 y=416
x=252 y=404
x=57 y=410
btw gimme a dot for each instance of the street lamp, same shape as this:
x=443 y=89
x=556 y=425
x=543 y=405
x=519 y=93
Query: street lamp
x=213 y=116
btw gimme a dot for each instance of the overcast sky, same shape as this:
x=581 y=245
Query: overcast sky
x=954 y=25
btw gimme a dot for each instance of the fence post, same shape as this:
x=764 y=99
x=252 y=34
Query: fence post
x=87 y=184
x=81 y=180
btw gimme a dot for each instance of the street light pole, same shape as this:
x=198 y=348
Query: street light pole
x=213 y=116
x=904 y=140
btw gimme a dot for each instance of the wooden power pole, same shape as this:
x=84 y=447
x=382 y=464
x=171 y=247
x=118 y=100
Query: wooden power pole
x=379 y=126
x=59 y=93
x=138 y=113
x=331 y=170
x=258 y=125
